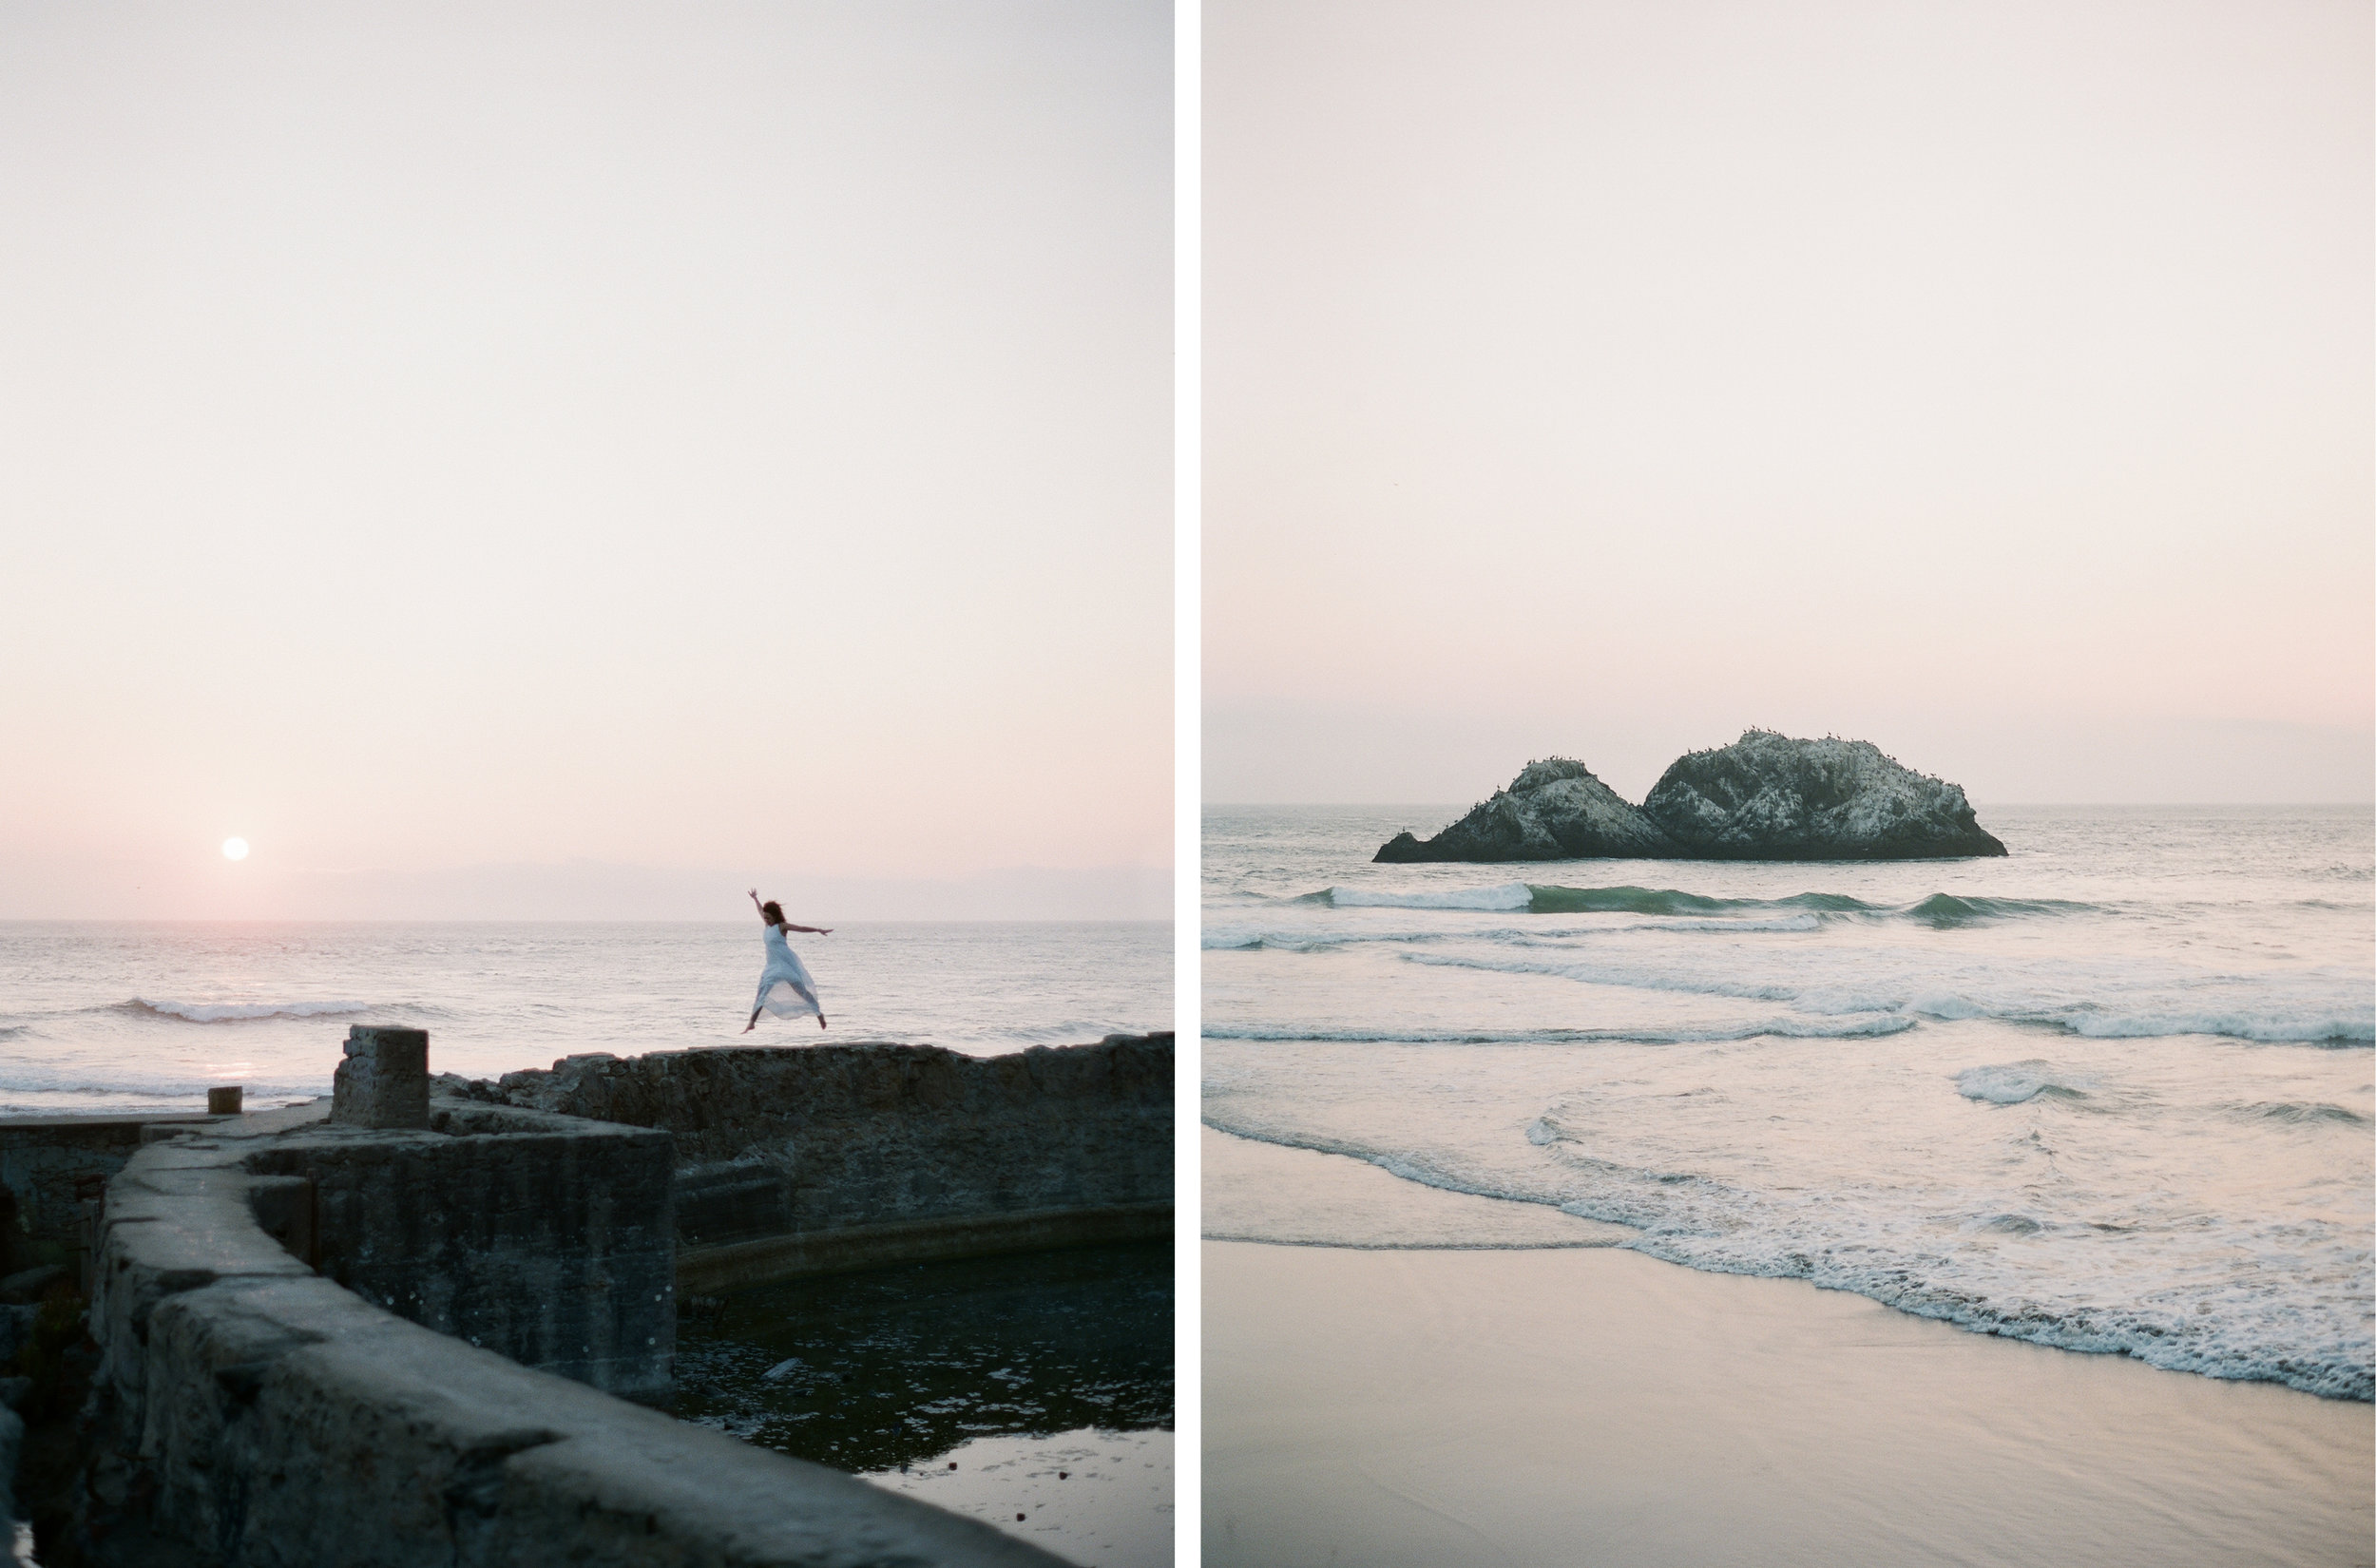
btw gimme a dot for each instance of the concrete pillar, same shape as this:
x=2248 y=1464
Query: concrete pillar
x=384 y=1080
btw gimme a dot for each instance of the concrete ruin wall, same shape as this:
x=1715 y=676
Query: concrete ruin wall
x=808 y=1158
x=545 y=1238
x=49 y=1168
x=249 y=1411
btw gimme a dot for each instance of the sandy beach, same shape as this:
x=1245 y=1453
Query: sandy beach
x=1592 y=1406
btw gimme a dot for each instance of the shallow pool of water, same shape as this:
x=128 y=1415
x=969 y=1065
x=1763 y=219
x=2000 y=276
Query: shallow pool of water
x=1045 y=1377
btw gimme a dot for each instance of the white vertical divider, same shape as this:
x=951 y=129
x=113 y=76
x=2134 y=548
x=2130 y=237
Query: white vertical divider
x=1187 y=760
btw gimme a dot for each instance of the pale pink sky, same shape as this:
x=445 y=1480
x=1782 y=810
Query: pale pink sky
x=732 y=437
x=1991 y=380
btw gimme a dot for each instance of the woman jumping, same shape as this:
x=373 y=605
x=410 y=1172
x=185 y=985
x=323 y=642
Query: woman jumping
x=785 y=989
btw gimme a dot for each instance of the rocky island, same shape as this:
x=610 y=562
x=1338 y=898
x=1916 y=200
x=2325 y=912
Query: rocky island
x=1766 y=796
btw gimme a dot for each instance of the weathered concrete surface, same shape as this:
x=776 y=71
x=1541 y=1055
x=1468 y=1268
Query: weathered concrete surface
x=11 y=1447
x=547 y=1238
x=383 y=1081
x=47 y=1165
x=249 y=1412
x=860 y=1155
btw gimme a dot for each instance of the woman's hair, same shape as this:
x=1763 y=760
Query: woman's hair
x=773 y=912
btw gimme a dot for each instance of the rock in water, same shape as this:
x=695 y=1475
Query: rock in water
x=1554 y=809
x=1764 y=797
x=1770 y=797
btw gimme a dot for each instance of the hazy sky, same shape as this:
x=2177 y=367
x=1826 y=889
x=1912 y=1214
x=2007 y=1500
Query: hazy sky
x=711 y=438
x=1990 y=380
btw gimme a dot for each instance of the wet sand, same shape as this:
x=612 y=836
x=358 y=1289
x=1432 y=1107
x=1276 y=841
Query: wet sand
x=1594 y=1405
x=1101 y=1500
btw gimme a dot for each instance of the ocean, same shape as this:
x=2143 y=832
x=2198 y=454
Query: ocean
x=122 y=1017
x=2110 y=1093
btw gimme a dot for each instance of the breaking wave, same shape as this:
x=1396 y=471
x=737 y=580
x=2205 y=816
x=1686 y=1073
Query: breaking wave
x=1552 y=898
x=2299 y=1113
x=241 y=1012
x=1504 y=896
x=2273 y=1027
x=1025 y=1036
x=2016 y=1084
x=1948 y=910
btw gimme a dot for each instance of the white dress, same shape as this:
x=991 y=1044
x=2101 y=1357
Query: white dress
x=785 y=989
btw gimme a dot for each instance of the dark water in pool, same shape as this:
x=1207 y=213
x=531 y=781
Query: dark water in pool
x=895 y=1367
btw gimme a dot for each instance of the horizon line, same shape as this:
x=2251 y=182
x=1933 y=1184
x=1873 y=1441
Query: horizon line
x=539 y=919
x=1977 y=805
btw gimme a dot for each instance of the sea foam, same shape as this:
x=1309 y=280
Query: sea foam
x=2124 y=999
x=1938 y=909
x=1790 y=1028
x=2016 y=1082
x=1503 y=896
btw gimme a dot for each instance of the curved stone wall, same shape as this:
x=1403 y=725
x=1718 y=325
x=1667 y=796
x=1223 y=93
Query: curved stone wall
x=249 y=1411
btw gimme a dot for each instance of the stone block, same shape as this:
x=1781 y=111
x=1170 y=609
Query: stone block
x=384 y=1081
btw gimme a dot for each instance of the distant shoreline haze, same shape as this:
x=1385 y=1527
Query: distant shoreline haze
x=1326 y=755
x=579 y=891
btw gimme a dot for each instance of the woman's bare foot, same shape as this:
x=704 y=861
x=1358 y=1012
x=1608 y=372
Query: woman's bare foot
x=820 y=1021
x=748 y=1027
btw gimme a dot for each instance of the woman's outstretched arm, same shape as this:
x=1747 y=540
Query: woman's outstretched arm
x=820 y=930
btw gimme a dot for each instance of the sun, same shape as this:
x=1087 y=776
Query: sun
x=235 y=849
